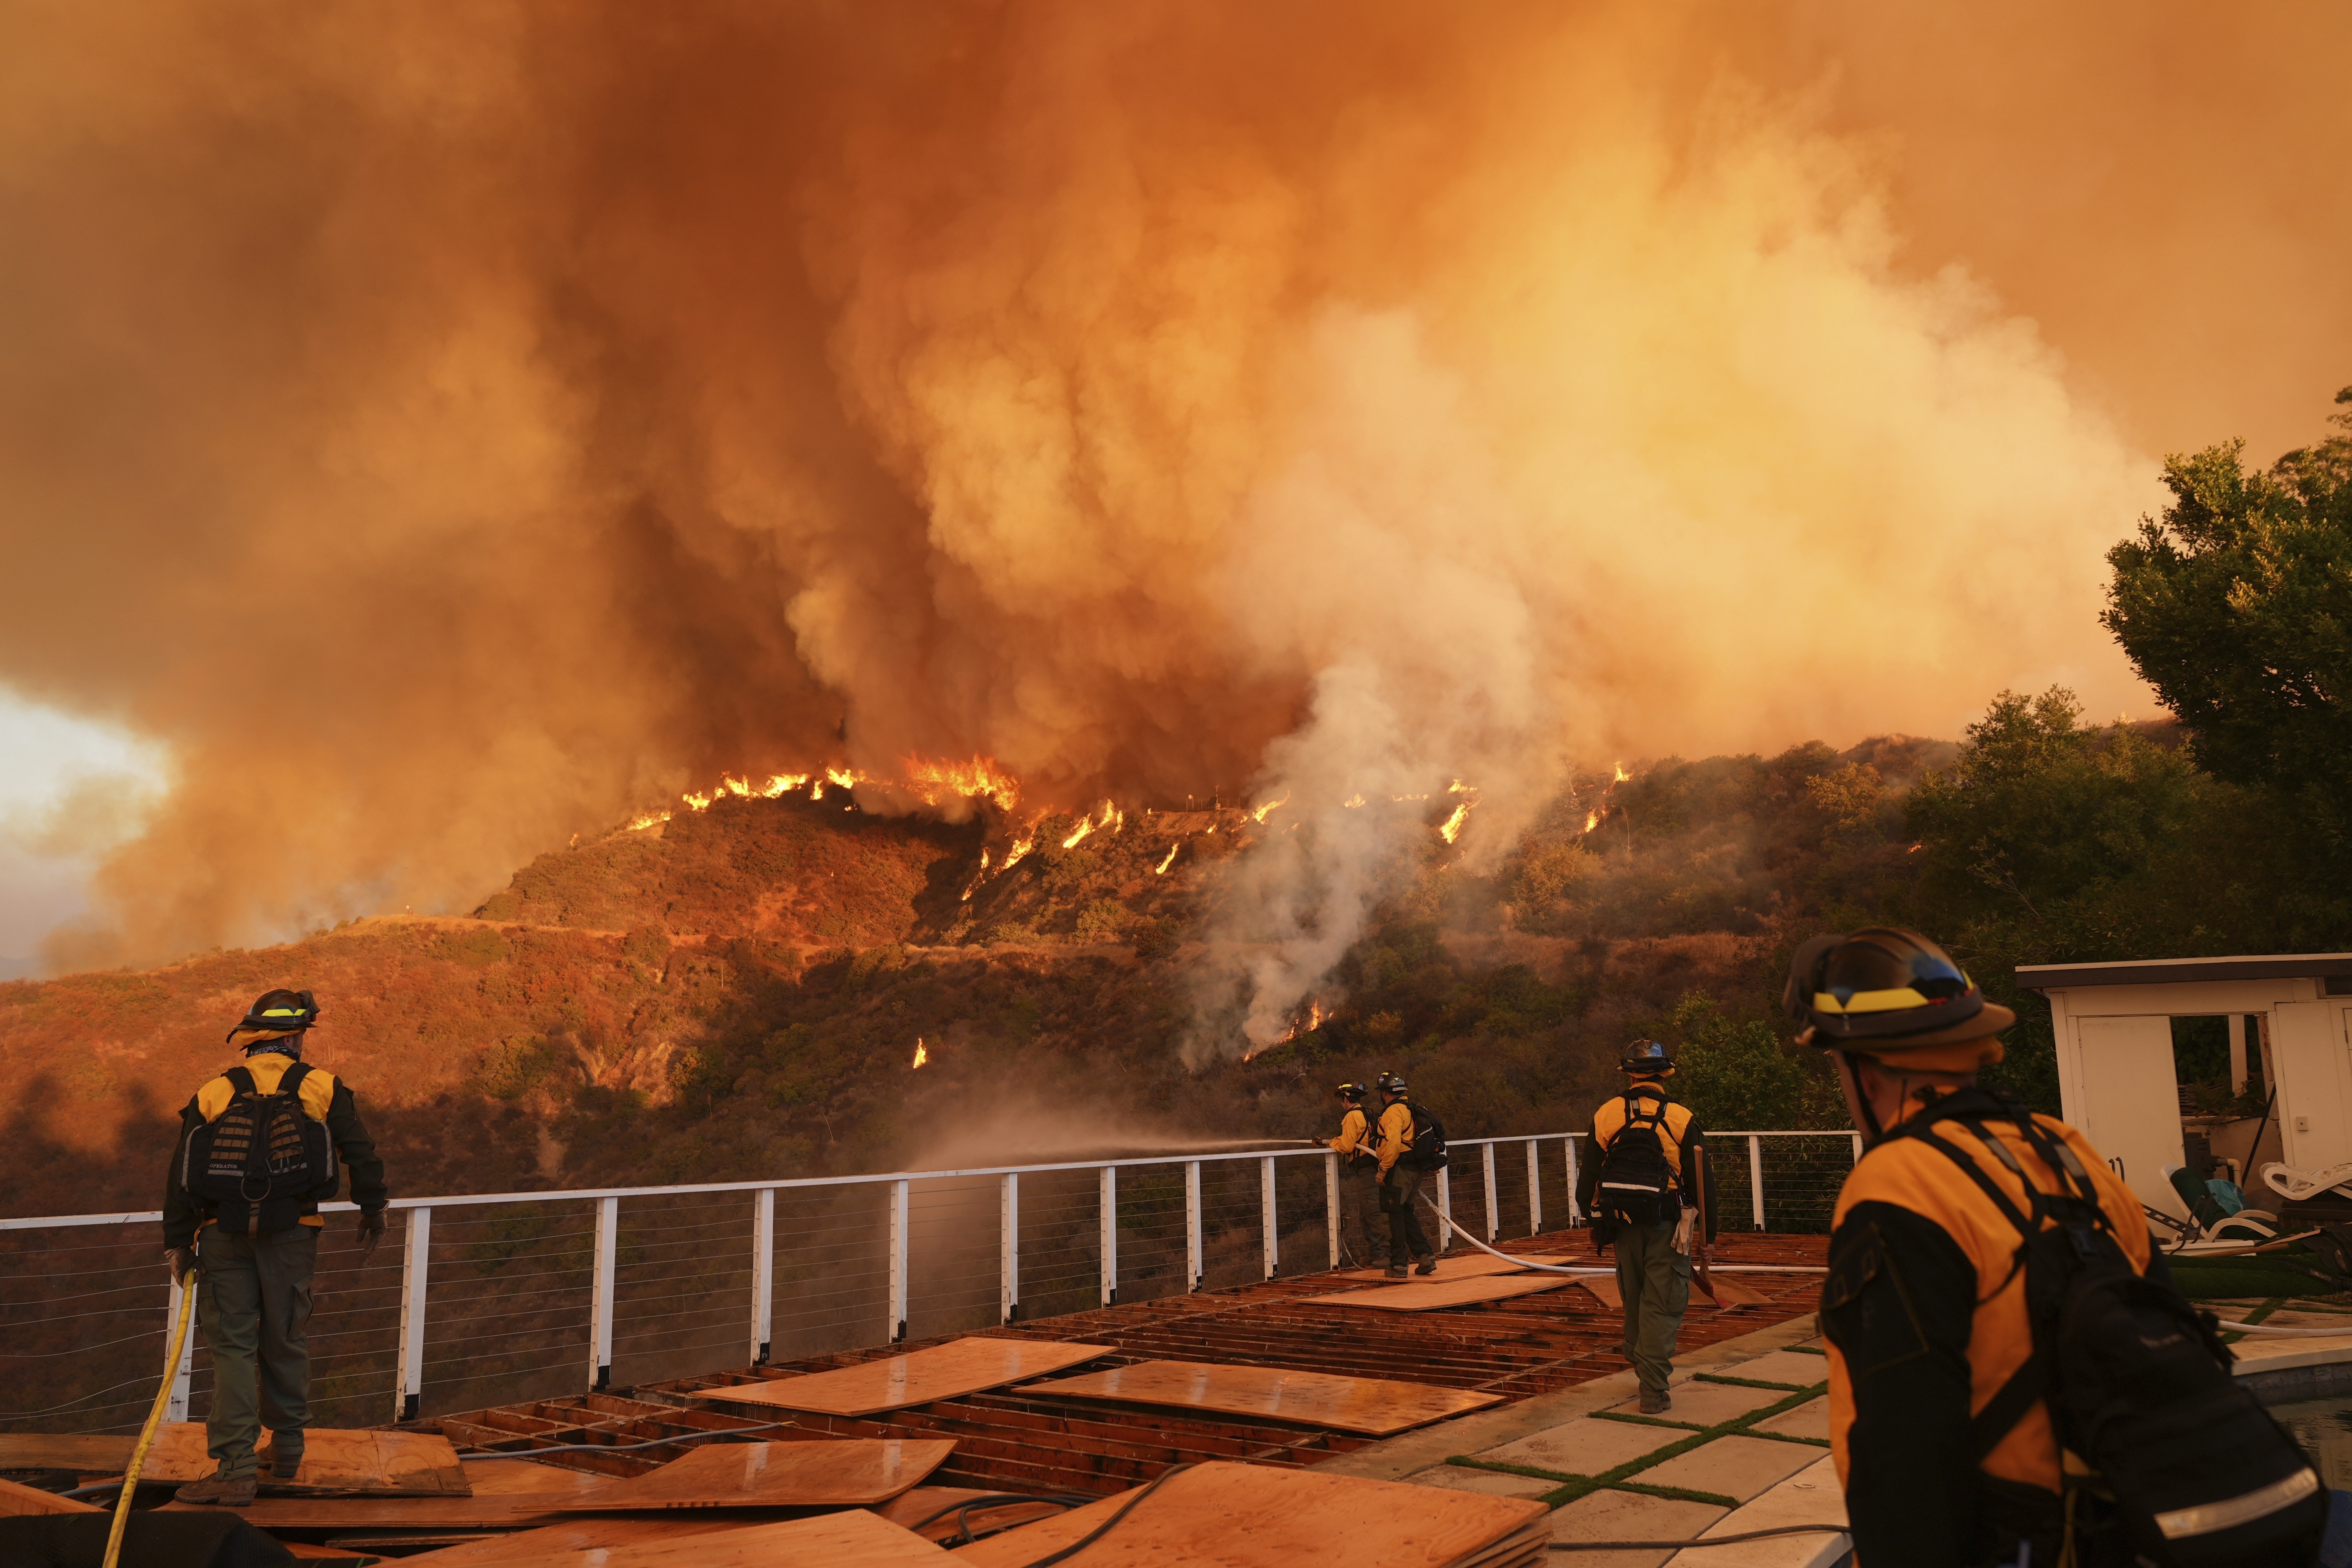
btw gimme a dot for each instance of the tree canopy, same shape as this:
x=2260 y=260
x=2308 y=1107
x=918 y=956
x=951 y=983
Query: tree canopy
x=2237 y=607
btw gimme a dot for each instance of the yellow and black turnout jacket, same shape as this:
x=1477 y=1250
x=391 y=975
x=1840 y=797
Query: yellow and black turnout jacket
x=1925 y=1317
x=324 y=1098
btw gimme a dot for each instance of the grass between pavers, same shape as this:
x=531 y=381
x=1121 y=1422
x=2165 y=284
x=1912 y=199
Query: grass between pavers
x=1618 y=1479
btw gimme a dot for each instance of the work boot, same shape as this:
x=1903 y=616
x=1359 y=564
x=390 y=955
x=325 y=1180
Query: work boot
x=1396 y=1272
x=1428 y=1265
x=283 y=1466
x=218 y=1489
x=1656 y=1402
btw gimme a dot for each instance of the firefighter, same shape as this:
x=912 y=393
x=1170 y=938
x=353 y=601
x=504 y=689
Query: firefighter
x=1360 y=1178
x=254 y=1260
x=1641 y=1186
x=1925 y=1306
x=1401 y=1173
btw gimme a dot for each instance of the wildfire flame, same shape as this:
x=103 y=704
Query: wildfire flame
x=648 y=820
x=922 y=1056
x=1020 y=848
x=697 y=802
x=1351 y=802
x=782 y=783
x=1269 y=808
x=1591 y=820
x=979 y=777
x=1453 y=825
x=1161 y=869
x=1112 y=817
x=1622 y=776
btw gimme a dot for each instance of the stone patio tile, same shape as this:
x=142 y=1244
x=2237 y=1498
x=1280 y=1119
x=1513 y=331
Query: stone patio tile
x=1805 y=1421
x=1812 y=1496
x=1627 y=1516
x=1780 y=1366
x=1455 y=1477
x=1737 y=1467
x=1706 y=1403
x=1584 y=1447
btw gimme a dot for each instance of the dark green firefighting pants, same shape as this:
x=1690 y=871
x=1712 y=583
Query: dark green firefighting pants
x=1655 y=1281
x=255 y=1304
x=1407 y=1240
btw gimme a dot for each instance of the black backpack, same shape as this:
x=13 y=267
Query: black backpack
x=1636 y=1182
x=2139 y=1384
x=1428 y=1151
x=257 y=1165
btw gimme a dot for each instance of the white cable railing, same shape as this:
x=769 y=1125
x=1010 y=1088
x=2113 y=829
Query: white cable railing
x=502 y=1291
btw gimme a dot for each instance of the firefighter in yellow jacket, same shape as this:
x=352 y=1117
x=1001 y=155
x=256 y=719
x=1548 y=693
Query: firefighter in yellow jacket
x=251 y=1204
x=1360 y=1178
x=1642 y=1193
x=1946 y=1463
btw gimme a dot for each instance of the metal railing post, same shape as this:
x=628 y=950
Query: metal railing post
x=763 y=1274
x=1444 y=1210
x=1756 y=1178
x=599 y=1336
x=176 y=1407
x=1265 y=1214
x=1008 y=1252
x=1494 y=1222
x=1191 y=1224
x=1109 y=1206
x=409 y=1388
x=1857 y=1148
x=1535 y=1190
x=897 y=1261
x=1575 y=1210
x=1331 y=1202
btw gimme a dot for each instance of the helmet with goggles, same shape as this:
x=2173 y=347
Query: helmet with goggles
x=1883 y=991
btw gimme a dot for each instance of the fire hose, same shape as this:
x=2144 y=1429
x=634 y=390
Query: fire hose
x=1535 y=1268
x=154 y=1420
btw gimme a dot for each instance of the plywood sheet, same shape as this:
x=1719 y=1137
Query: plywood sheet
x=851 y=1473
x=894 y=1383
x=1252 y=1516
x=1430 y=1295
x=326 y=1512
x=363 y=1463
x=1731 y=1293
x=579 y=1535
x=1366 y=1405
x=75 y=1451
x=1471 y=1265
x=527 y=1478
x=851 y=1539
x=1604 y=1286
x=17 y=1501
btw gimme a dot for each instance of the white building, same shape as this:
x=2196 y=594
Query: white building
x=2290 y=1023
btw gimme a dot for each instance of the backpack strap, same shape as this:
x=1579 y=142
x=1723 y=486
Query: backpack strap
x=2029 y=1385
x=291 y=1083
x=241 y=1080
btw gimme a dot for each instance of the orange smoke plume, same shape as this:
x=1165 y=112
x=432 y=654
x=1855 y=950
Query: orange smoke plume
x=449 y=430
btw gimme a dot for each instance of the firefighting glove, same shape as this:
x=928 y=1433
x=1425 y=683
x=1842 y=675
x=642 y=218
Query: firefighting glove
x=181 y=1261
x=371 y=1222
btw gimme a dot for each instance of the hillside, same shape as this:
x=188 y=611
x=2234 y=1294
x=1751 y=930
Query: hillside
x=740 y=991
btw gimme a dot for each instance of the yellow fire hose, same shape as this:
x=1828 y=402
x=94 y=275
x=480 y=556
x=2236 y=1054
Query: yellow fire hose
x=154 y=1419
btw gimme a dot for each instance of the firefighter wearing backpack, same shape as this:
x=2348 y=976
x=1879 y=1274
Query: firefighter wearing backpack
x=2013 y=1378
x=256 y=1156
x=1640 y=1188
x=1412 y=1145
